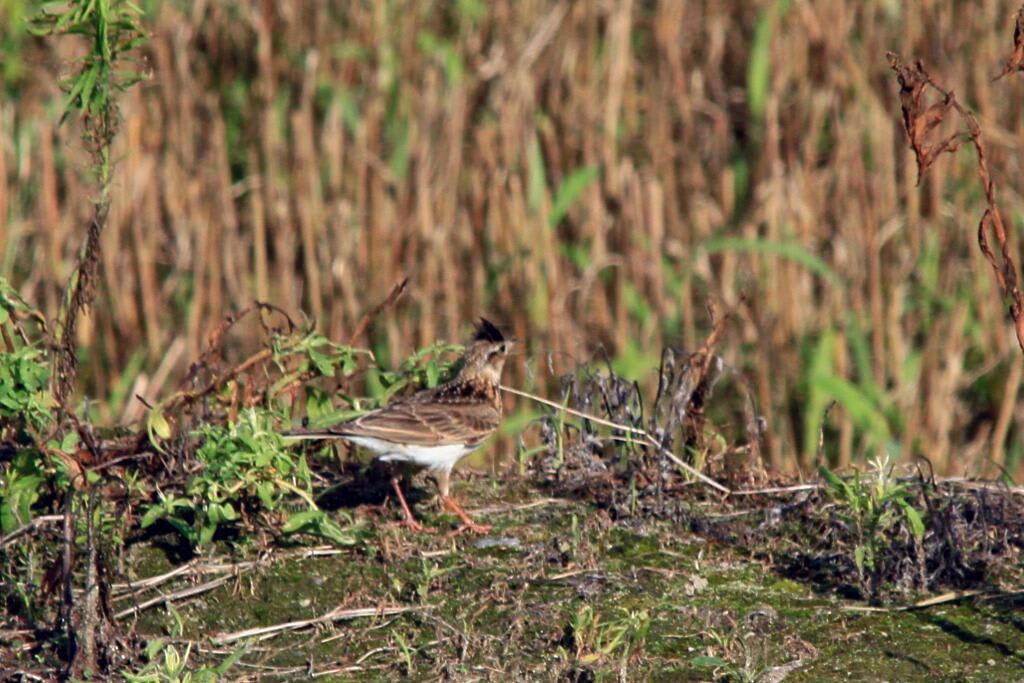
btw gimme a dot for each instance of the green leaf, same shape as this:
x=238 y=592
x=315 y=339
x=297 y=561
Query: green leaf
x=154 y=646
x=318 y=523
x=230 y=661
x=89 y=84
x=706 y=662
x=8 y=520
x=913 y=518
x=333 y=532
x=398 y=136
x=348 y=364
x=158 y=424
x=858 y=555
x=322 y=362
x=759 y=65
x=788 y=249
x=70 y=442
x=861 y=410
x=433 y=374
x=75 y=96
x=536 y=178
x=265 y=492
x=299 y=520
x=837 y=484
x=153 y=514
x=183 y=528
x=821 y=363
x=569 y=191
x=318 y=402
x=206 y=534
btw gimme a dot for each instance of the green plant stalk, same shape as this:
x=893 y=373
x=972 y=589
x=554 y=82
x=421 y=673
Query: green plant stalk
x=112 y=29
x=874 y=508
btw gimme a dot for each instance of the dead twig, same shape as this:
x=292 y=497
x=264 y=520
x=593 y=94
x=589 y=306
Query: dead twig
x=32 y=525
x=778 y=489
x=951 y=596
x=498 y=510
x=388 y=301
x=214 y=345
x=339 y=614
x=123 y=591
x=172 y=597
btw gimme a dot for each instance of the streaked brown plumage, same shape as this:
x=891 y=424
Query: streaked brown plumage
x=435 y=428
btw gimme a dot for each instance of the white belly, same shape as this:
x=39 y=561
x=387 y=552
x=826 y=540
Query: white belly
x=435 y=458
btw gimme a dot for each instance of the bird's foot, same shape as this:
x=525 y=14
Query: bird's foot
x=467 y=522
x=469 y=526
x=409 y=520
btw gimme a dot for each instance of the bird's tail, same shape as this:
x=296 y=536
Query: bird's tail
x=298 y=434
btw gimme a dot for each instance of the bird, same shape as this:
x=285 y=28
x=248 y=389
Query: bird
x=435 y=428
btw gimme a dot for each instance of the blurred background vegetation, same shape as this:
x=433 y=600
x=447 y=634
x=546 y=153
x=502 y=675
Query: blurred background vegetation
x=590 y=174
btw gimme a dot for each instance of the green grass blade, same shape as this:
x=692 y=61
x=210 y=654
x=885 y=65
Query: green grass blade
x=570 y=190
x=759 y=64
x=858 y=406
x=790 y=250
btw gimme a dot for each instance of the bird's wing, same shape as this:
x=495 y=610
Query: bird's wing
x=426 y=424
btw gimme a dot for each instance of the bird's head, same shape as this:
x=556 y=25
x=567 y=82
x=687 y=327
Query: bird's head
x=486 y=353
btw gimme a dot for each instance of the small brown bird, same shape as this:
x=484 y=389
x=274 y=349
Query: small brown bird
x=435 y=428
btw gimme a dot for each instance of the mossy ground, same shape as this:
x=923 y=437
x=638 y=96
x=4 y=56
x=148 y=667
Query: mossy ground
x=560 y=591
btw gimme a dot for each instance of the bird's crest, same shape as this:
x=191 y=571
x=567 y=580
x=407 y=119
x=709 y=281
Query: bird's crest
x=487 y=331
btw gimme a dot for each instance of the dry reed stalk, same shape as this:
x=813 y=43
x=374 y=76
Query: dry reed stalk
x=258 y=218
x=4 y=190
x=1007 y=408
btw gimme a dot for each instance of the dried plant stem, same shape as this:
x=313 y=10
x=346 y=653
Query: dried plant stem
x=214 y=344
x=176 y=595
x=920 y=123
x=28 y=527
x=339 y=614
x=1006 y=409
x=634 y=430
x=393 y=296
x=943 y=599
x=216 y=566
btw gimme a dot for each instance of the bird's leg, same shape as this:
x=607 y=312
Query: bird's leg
x=410 y=521
x=467 y=522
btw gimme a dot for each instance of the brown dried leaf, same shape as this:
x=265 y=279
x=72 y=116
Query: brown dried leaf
x=919 y=124
x=919 y=121
x=1016 y=60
